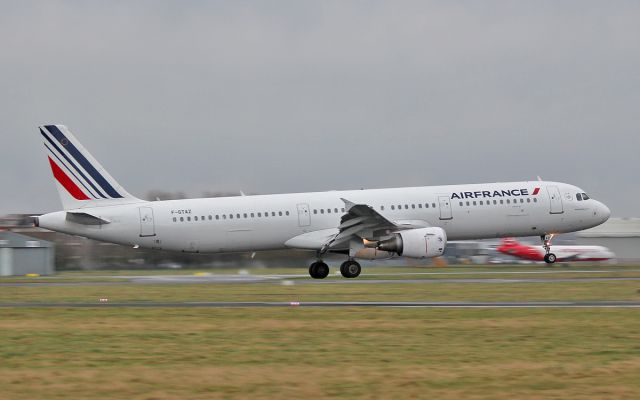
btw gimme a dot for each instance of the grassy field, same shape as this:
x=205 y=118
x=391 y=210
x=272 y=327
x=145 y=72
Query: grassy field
x=363 y=353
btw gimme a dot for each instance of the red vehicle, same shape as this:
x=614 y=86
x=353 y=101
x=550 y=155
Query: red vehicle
x=514 y=248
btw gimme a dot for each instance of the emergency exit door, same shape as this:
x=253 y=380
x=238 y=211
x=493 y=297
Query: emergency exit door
x=445 y=207
x=304 y=217
x=147 y=224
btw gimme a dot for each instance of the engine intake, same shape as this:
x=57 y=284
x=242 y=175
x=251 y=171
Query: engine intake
x=416 y=243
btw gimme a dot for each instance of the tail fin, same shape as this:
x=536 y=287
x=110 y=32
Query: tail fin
x=81 y=180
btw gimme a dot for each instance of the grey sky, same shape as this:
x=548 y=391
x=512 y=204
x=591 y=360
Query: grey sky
x=274 y=97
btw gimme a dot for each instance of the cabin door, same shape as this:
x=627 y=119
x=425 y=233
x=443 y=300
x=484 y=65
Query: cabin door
x=147 y=224
x=555 y=200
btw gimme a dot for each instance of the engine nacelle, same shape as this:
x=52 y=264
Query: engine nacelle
x=416 y=243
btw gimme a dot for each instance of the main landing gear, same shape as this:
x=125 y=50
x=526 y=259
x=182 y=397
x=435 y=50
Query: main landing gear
x=348 y=269
x=549 y=257
x=318 y=270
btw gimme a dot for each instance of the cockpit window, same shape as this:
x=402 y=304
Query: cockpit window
x=579 y=196
x=584 y=196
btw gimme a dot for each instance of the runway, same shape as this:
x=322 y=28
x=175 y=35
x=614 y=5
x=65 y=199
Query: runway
x=365 y=278
x=332 y=304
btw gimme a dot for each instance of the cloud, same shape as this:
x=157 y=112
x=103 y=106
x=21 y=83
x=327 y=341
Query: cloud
x=295 y=96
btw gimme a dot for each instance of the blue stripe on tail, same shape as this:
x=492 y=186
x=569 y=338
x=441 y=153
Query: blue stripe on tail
x=70 y=171
x=80 y=158
x=72 y=163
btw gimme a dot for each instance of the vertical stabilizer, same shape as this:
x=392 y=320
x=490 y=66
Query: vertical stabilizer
x=81 y=180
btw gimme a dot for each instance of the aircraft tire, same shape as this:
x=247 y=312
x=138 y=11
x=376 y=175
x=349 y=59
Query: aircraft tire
x=350 y=269
x=318 y=270
x=550 y=258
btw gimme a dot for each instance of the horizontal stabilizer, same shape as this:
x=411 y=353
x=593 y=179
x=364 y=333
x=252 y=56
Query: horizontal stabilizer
x=85 y=219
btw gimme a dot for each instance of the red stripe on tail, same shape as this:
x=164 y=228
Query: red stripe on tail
x=65 y=181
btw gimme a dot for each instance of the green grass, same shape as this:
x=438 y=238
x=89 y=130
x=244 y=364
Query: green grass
x=319 y=353
x=284 y=353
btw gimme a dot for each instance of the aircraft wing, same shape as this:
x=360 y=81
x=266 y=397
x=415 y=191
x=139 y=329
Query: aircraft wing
x=360 y=221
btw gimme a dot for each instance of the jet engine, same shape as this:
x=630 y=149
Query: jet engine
x=416 y=243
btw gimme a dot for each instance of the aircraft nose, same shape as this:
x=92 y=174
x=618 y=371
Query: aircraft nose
x=603 y=212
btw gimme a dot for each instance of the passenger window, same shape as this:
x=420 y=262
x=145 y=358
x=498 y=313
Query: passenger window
x=481 y=202
x=287 y=212
x=342 y=209
x=328 y=211
x=202 y=218
x=508 y=201
x=426 y=205
x=217 y=216
x=195 y=218
x=501 y=201
x=460 y=204
x=381 y=208
x=280 y=213
x=259 y=215
x=393 y=207
x=406 y=206
x=322 y=211
x=413 y=206
x=230 y=216
x=273 y=213
x=224 y=216
x=315 y=211
x=495 y=202
x=399 y=206
x=252 y=215
x=419 y=205
x=181 y=219
x=528 y=200
x=210 y=217
x=474 y=203
x=521 y=200
x=175 y=219
x=468 y=204
x=433 y=205
x=238 y=216
x=535 y=200
x=245 y=215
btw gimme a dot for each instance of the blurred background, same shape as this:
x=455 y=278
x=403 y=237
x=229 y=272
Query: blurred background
x=183 y=99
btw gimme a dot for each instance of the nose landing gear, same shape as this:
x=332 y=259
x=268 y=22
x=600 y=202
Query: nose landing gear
x=549 y=257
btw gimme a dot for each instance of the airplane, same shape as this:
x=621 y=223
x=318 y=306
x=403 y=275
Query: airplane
x=413 y=222
x=514 y=248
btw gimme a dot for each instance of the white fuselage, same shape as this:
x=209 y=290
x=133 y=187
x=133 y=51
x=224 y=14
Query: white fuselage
x=267 y=222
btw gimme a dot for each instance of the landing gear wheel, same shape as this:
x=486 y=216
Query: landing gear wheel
x=549 y=257
x=318 y=270
x=350 y=269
